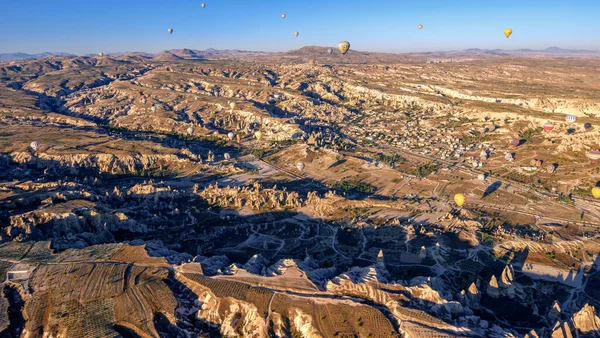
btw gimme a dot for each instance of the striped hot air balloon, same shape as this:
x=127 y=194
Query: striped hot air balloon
x=548 y=126
x=570 y=119
x=594 y=155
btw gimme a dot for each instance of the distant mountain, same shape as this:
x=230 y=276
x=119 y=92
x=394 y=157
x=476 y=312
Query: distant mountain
x=20 y=56
x=313 y=52
x=320 y=54
x=549 y=50
x=167 y=57
x=212 y=53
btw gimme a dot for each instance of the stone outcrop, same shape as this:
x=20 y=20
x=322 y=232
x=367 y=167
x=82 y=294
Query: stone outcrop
x=554 y=312
x=508 y=276
x=586 y=320
x=562 y=330
x=493 y=289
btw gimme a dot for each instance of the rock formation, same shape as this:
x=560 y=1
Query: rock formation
x=586 y=320
x=562 y=330
x=493 y=288
x=554 y=312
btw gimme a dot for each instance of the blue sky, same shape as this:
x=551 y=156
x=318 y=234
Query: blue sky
x=88 y=26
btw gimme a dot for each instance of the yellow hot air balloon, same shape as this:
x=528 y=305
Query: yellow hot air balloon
x=459 y=199
x=507 y=32
x=344 y=46
x=238 y=138
x=232 y=105
x=258 y=135
x=420 y=26
x=596 y=192
x=296 y=34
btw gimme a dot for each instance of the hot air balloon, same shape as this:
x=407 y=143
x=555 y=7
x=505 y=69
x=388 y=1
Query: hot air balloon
x=300 y=166
x=507 y=32
x=548 y=126
x=459 y=199
x=230 y=135
x=258 y=135
x=170 y=30
x=596 y=192
x=420 y=26
x=35 y=145
x=203 y=5
x=329 y=51
x=238 y=137
x=153 y=109
x=143 y=99
x=344 y=46
x=253 y=73
x=570 y=119
x=296 y=34
x=100 y=54
x=481 y=177
x=190 y=130
x=232 y=105
x=283 y=16
x=594 y=155
x=515 y=142
x=227 y=156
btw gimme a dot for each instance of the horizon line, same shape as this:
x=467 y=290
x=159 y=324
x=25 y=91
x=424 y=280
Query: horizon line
x=290 y=50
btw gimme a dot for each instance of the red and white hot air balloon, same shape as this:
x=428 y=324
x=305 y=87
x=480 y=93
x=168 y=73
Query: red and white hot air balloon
x=548 y=126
